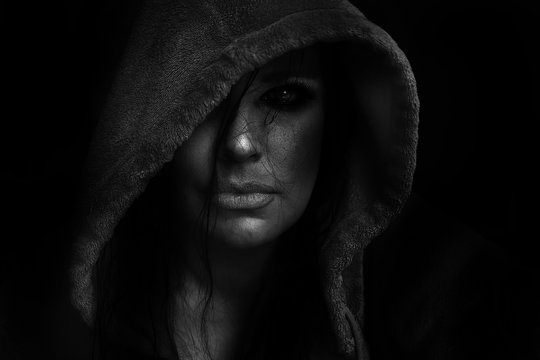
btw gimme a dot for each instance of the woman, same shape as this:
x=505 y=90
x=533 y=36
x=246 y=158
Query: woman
x=248 y=154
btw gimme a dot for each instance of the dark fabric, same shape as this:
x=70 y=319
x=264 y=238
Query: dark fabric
x=437 y=290
x=181 y=62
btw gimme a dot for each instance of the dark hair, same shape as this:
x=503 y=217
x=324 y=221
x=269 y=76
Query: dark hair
x=132 y=274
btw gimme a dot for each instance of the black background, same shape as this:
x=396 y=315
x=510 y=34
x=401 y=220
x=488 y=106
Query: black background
x=477 y=72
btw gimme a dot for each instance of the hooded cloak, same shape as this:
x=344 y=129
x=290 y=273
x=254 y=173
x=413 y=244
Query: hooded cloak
x=181 y=62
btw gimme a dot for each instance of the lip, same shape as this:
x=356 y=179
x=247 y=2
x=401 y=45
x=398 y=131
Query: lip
x=244 y=196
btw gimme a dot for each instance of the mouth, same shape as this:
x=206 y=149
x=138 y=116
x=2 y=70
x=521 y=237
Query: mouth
x=244 y=196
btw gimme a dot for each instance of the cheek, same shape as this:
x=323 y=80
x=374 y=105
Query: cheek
x=296 y=153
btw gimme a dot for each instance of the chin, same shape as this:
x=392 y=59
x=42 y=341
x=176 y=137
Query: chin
x=245 y=232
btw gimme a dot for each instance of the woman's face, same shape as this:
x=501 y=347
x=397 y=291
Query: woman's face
x=266 y=160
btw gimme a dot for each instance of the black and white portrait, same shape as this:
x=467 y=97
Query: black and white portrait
x=277 y=179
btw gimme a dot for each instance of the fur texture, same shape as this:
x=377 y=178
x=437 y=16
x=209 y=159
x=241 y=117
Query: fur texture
x=182 y=60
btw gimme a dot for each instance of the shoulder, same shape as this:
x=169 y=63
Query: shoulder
x=436 y=289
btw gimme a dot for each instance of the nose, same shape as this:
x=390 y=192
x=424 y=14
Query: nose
x=241 y=138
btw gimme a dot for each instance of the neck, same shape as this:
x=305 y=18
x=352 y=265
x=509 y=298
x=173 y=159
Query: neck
x=237 y=275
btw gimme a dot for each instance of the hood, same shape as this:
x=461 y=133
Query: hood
x=182 y=60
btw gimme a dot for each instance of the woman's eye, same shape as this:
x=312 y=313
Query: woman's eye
x=286 y=96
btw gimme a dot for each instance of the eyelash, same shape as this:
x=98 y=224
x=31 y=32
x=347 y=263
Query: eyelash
x=298 y=95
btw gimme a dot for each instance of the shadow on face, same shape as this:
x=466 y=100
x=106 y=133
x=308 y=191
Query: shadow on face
x=251 y=166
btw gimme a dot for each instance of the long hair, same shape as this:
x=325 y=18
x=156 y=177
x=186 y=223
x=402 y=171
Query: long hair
x=132 y=274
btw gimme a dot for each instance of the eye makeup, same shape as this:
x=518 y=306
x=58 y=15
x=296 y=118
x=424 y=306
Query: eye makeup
x=291 y=95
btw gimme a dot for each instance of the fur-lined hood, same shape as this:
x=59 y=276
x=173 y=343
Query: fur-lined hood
x=182 y=60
